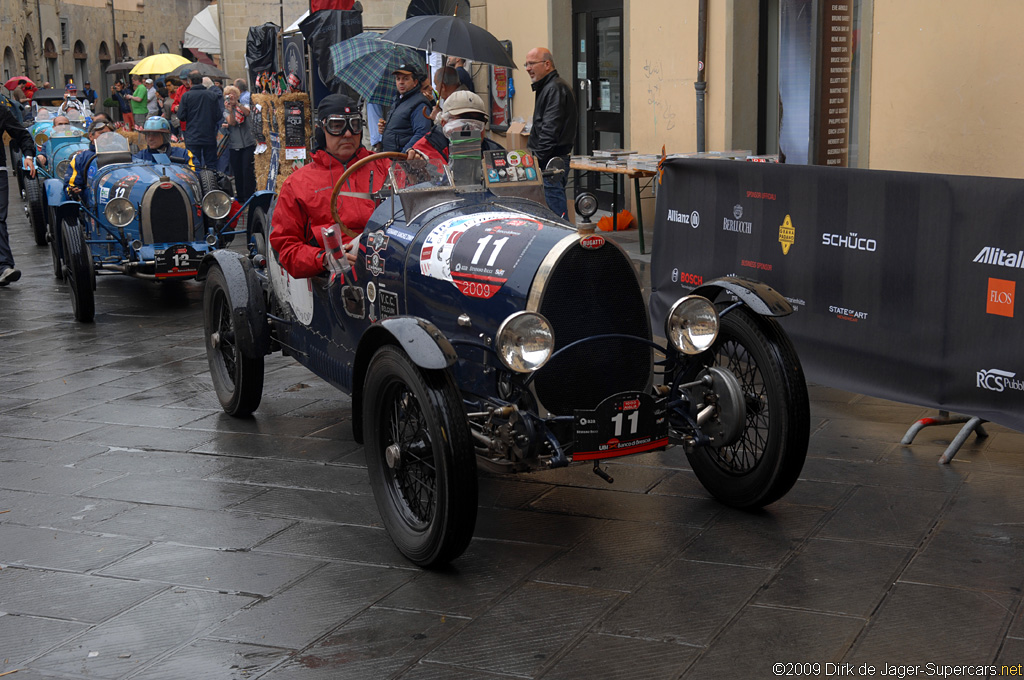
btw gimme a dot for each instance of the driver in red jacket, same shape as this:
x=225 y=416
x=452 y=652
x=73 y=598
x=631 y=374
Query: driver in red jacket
x=303 y=206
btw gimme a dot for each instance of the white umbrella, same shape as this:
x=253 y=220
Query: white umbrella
x=202 y=33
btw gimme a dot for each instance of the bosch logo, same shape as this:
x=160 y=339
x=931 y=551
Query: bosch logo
x=687 y=279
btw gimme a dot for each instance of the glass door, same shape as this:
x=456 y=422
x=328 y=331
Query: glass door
x=598 y=63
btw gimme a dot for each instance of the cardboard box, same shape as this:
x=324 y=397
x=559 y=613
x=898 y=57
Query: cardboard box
x=516 y=137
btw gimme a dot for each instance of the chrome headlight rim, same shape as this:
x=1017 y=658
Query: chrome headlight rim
x=508 y=342
x=212 y=200
x=682 y=322
x=62 y=168
x=119 y=212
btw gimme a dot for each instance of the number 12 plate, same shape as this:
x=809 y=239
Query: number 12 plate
x=180 y=260
x=629 y=422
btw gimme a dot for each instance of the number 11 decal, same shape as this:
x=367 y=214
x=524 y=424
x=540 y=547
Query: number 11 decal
x=633 y=419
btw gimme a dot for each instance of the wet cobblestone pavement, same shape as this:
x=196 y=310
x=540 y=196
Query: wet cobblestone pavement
x=145 y=534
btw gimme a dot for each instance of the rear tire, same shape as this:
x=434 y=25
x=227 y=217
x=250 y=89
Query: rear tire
x=766 y=461
x=238 y=379
x=35 y=205
x=420 y=458
x=80 y=273
x=259 y=230
x=16 y=167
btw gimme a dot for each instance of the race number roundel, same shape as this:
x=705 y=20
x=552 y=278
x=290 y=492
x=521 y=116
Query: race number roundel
x=478 y=253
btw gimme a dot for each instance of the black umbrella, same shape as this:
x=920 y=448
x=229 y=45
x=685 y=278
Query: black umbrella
x=451 y=36
x=121 y=67
x=204 y=70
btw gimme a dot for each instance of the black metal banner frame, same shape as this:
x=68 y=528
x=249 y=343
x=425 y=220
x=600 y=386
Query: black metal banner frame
x=904 y=283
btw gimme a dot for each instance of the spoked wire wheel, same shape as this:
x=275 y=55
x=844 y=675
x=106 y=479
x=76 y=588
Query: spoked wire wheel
x=766 y=460
x=420 y=458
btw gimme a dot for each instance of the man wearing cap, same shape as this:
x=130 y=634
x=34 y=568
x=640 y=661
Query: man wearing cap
x=303 y=205
x=553 y=131
x=459 y=105
x=409 y=116
x=89 y=94
x=71 y=101
x=19 y=139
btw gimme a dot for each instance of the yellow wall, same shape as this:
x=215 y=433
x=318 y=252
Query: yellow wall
x=947 y=87
x=525 y=23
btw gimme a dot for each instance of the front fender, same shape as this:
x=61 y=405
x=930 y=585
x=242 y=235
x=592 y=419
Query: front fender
x=260 y=199
x=760 y=297
x=245 y=294
x=425 y=344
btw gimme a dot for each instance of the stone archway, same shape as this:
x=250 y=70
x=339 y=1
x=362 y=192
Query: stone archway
x=10 y=64
x=81 y=64
x=53 y=74
x=29 y=55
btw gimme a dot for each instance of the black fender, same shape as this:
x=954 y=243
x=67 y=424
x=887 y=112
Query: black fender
x=248 y=306
x=425 y=344
x=260 y=199
x=760 y=297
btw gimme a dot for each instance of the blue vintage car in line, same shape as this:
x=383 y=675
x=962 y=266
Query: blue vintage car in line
x=478 y=329
x=148 y=220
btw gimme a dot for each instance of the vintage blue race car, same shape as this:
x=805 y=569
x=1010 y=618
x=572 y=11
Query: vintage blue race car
x=56 y=144
x=477 y=329
x=149 y=220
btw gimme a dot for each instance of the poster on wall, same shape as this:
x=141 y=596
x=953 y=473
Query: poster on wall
x=502 y=90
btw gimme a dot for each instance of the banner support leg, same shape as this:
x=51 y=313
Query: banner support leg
x=972 y=424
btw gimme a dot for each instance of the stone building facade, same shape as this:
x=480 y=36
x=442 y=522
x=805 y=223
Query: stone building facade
x=58 y=40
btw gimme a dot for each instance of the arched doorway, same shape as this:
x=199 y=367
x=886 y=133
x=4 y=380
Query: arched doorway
x=163 y=49
x=81 y=64
x=10 y=65
x=105 y=83
x=52 y=68
x=29 y=55
x=141 y=51
x=125 y=54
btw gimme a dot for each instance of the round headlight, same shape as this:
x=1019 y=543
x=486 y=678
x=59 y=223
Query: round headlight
x=692 y=324
x=120 y=212
x=525 y=341
x=41 y=138
x=62 y=168
x=216 y=204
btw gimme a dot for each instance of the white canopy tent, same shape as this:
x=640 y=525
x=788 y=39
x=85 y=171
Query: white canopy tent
x=203 y=33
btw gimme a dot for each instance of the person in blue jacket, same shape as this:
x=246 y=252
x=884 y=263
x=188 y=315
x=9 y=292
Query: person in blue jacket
x=409 y=119
x=158 y=141
x=76 y=177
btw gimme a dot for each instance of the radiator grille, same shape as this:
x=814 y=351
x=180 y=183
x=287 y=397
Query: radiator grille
x=591 y=292
x=167 y=214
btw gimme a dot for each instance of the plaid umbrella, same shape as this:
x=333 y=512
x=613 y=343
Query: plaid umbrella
x=365 y=63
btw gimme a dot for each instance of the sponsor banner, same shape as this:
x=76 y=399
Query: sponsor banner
x=906 y=282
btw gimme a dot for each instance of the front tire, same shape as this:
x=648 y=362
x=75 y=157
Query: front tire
x=766 y=461
x=79 y=273
x=35 y=205
x=420 y=458
x=54 y=234
x=238 y=379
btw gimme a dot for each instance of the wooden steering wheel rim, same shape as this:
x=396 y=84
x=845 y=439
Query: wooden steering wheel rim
x=348 y=173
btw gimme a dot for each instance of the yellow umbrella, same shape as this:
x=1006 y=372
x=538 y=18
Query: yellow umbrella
x=159 y=64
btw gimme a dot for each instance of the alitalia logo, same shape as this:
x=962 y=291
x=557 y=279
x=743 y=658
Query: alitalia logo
x=998 y=256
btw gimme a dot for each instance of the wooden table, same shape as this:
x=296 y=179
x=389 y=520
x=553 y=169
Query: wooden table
x=587 y=164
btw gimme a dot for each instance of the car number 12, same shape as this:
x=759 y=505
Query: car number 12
x=180 y=260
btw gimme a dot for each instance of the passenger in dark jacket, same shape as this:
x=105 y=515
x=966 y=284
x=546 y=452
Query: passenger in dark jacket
x=553 y=131
x=202 y=110
x=409 y=120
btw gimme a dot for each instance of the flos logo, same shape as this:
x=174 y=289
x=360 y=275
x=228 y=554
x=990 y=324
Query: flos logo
x=737 y=224
x=995 y=380
x=1000 y=297
x=851 y=241
x=693 y=219
x=999 y=257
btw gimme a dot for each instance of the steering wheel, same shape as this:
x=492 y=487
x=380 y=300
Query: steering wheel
x=397 y=155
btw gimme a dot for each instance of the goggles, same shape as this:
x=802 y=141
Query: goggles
x=336 y=124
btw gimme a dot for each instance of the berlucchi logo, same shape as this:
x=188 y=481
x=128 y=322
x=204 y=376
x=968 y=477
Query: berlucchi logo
x=787 y=235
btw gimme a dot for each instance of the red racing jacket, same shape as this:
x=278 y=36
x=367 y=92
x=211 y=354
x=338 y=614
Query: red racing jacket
x=303 y=208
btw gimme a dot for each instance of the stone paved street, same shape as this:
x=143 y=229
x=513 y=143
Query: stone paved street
x=145 y=534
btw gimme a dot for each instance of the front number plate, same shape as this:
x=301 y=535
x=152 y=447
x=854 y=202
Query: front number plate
x=175 y=261
x=629 y=422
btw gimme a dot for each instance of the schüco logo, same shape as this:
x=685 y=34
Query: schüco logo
x=693 y=219
x=687 y=279
x=851 y=241
x=995 y=380
x=1000 y=297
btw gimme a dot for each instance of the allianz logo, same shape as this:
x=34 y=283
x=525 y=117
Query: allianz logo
x=693 y=219
x=995 y=380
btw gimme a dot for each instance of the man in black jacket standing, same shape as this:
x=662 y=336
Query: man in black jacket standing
x=553 y=131
x=201 y=110
x=20 y=138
